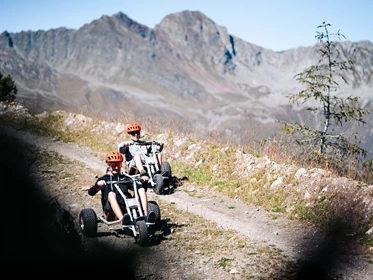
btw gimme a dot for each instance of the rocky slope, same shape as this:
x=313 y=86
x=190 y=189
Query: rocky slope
x=187 y=67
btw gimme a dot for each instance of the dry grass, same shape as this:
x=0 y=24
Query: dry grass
x=276 y=149
x=282 y=152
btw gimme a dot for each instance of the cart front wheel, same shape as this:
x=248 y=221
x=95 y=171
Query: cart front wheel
x=88 y=222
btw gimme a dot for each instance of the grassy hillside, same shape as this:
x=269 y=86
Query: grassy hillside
x=260 y=173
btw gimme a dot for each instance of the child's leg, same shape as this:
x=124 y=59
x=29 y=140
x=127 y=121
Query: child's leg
x=143 y=200
x=112 y=198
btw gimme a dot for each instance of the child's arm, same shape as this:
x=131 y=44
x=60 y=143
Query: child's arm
x=99 y=185
x=123 y=147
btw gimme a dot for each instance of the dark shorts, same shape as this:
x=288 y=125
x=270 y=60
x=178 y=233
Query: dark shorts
x=143 y=186
x=121 y=202
x=108 y=209
x=134 y=171
x=110 y=216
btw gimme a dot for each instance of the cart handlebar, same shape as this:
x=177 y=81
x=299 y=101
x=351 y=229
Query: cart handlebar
x=147 y=143
x=128 y=179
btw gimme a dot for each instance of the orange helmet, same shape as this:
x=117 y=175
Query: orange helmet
x=133 y=127
x=114 y=156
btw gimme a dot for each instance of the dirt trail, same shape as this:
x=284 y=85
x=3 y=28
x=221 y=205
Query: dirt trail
x=297 y=241
x=253 y=222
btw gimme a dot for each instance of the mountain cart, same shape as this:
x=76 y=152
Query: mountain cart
x=159 y=174
x=135 y=221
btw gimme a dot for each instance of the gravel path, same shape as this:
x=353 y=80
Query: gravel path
x=254 y=223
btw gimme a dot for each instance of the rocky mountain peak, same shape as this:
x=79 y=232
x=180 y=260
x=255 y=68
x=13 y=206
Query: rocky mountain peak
x=195 y=34
x=187 y=19
x=6 y=40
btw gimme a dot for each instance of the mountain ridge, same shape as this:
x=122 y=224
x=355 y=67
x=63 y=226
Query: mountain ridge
x=186 y=67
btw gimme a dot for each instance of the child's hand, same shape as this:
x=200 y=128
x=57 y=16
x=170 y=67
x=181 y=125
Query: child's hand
x=123 y=144
x=101 y=184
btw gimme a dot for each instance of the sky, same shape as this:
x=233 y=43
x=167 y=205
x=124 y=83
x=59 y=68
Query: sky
x=273 y=24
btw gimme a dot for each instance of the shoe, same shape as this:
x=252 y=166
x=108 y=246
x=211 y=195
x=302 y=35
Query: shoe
x=126 y=220
x=151 y=217
x=109 y=216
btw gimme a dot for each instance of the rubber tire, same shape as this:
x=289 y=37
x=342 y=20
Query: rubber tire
x=154 y=207
x=166 y=168
x=158 y=180
x=88 y=222
x=142 y=233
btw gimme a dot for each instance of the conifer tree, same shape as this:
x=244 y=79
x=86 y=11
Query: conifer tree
x=8 y=89
x=326 y=139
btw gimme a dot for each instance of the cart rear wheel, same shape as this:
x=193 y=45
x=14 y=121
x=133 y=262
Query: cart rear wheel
x=154 y=207
x=158 y=180
x=141 y=233
x=88 y=222
x=166 y=170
